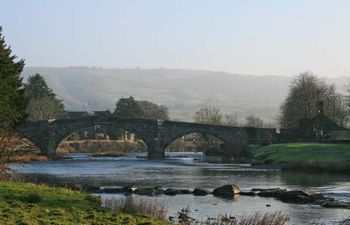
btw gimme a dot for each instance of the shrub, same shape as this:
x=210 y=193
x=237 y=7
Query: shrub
x=130 y=206
x=276 y=218
x=236 y=149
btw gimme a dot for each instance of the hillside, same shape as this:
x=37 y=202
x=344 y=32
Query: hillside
x=182 y=91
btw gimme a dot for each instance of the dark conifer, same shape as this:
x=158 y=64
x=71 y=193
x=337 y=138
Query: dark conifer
x=12 y=100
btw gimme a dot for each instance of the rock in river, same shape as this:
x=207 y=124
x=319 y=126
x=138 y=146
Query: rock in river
x=226 y=191
x=148 y=191
x=337 y=204
x=200 y=192
x=171 y=191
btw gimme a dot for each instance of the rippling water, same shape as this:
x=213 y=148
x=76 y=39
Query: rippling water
x=184 y=172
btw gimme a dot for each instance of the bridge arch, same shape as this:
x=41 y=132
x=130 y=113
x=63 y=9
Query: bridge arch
x=174 y=130
x=48 y=135
x=180 y=135
x=61 y=138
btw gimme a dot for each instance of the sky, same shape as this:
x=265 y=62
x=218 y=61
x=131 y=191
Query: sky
x=261 y=37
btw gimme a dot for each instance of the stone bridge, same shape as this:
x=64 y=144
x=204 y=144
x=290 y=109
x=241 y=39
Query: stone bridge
x=156 y=134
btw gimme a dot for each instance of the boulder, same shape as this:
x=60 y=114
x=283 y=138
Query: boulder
x=199 y=192
x=249 y=193
x=171 y=192
x=111 y=189
x=148 y=191
x=297 y=196
x=336 y=204
x=128 y=189
x=275 y=192
x=184 y=191
x=226 y=191
x=268 y=189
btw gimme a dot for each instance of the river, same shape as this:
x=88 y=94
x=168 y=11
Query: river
x=180 y=170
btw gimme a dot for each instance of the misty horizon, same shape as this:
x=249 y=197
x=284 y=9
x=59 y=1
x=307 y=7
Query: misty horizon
x=259 y=38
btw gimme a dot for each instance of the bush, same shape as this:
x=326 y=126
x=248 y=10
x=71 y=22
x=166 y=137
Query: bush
x=128 y=205
x=9 y=147
x=235 y=150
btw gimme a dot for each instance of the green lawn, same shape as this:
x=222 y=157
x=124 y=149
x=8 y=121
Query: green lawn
x=304 y=152
x=23 y=203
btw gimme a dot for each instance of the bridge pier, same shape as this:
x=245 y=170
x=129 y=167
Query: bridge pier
x=155 y=151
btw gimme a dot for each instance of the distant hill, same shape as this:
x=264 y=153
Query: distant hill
x=182 y=91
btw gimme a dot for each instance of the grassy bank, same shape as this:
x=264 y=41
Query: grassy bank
x=323 y=157
x=22 y=203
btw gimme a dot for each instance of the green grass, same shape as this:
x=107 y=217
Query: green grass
x=24 y=203
x=304 y=152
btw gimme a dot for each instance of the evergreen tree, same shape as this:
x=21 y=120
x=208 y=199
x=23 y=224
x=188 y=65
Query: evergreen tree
x=12 y=100
x=43 y=103
x=36 y=87
x=128 y=107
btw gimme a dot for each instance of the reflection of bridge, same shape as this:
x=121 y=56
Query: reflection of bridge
x=156 y=134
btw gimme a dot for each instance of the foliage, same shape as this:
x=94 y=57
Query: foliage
x=58 y=206
x=236 y=150
x=304 y=94
x=36 y=87
x=252 y=121
x=12 y=99
x=43 y=104
x=128 y=107
x=304 y=152
x=153 y=111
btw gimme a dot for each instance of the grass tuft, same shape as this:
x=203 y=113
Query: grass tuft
x=142 y=207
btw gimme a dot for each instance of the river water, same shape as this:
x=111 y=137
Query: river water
x=180 y=170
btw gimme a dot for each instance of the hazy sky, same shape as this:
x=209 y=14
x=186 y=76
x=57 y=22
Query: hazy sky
x=280 y=37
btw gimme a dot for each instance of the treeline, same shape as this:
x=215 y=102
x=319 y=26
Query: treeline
x=305 y=93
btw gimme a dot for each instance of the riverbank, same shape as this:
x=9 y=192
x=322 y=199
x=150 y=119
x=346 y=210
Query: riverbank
x=311 y=157
x=25 y=203
x=97 y=146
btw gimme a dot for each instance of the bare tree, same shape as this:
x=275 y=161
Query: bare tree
x=230 y=120
x=252 y=121
x=208 y=115
x=305 y=92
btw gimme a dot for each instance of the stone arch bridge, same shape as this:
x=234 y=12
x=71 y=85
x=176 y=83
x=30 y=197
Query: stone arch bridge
x=156 y=134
